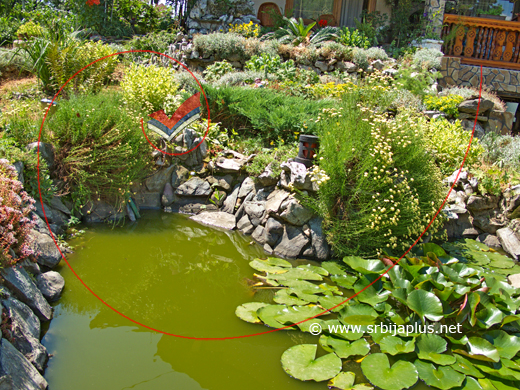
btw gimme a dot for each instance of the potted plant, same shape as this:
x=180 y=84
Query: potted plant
x=492 y=12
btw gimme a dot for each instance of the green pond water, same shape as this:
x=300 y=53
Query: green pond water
x=177 y=276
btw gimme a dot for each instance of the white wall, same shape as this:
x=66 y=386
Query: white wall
x=279 y=3
x=383 y=8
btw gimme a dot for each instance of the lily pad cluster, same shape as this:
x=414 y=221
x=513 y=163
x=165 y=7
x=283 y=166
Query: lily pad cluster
x=446 y=316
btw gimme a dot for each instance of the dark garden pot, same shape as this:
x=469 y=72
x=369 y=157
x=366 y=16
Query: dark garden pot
x=309 y=145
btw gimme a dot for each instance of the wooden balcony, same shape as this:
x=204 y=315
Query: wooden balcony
x=481 y=41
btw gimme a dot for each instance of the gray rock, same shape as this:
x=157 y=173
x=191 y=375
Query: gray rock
x=294 y=213
x=231 y=200
x=57 y=204
x=229 y=165
x=292 y=243
x=468 y=126
x=378 y=64
x=267 y=178
x=245 y=225
x=168 y=195
x=25 y=332
x=489 y=240
x=241 y=210
x=480 y=203
x=217 y=219
x=273 y=231
x=262 y=194
x=156 y=182
x=19 y=170
x=6 y=381
x=255 y=211
x=509 y=242
x=487 y=223
x=44 y=246
x=455 y=208
x=515 y=280
x=218 y=198
x=51 y=285
x=470 y=106
x=460 y=227
x=322 y=65
x=194 y=187
x=23 y=288
x=319 y=243
x=473 y=182
x=100 y=211
x=349 y=67
x=267 y=249
x=46 y=152
x=259 y=235
x=53 y=216
x=295 y=174
x=247 y=186
x=23 y=374
x=179 y=175
x=190 y=205
x=275 y=200
x=148 y=200
x=220 y=182
x=308 y=252
x=30 y=266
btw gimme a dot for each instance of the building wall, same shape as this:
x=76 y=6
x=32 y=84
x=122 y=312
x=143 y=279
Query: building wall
x=383 y=8
x=279 y=3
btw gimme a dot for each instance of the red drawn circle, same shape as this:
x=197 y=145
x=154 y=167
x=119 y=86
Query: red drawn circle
x=253 y=334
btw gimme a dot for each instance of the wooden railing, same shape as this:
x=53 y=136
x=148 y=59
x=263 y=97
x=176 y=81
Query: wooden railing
x=481 y=41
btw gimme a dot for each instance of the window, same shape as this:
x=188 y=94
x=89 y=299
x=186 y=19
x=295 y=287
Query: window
x=312 y=9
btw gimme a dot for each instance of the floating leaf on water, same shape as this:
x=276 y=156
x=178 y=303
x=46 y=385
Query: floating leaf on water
x=300 y=362
x=471 y=384
x=507 y=345
x=500 y=261
x=434 y=248
x=442 y=377
x=247 y=312
x=345 y=381
x=328 y=289
x=345 y=281
x=462 y=341
x=333 y=268
x=500 y=371
x=364 y=266
x=394 y=345
x=293 y=314
x=374 y=294
x=425 y=304
x=267 y=315
x=338 y=329
x=284 y=297
x=271 y=265
x=295 y=274
x=431 y=347
x=464 y=366
x=360 y=314
x=480 y=349
x=377 y=370
x=328 y=302
x=343 y=348
x=318 y=270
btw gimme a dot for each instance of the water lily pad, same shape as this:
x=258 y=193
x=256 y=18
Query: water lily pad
x=500 y=261
x=470 y=384
x=318 y=270
x=464 y=366
x=337 y=329
x=358 y=315
x=394 y=345
x=328 y=289
x=430 y=346
x=329 y=302
x=364 y=266
x=425 y=304
x=480 y=349
x=345 y=381
x=507 y=345
x=345 y=281
x=300 y=362
x=247 y=312
x=295 y=274
x=271 y=265
x=267 y=315
x=333 y=268
x=443 y=377
x=294 y=314
x=285 y=297
x=377 y=370
x=344 y=348
x=373 y=295
x=500 y=371
x=489 y=316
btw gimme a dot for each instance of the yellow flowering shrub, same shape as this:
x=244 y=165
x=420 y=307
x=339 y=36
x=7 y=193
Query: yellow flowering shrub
x=148 y=86
x=447 y=104
x=248 y=30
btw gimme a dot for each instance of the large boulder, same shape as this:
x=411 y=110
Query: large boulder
x=216 y=219
x=295 y=175
x=255 y=211
x=318 y=240
x=470 y=106
x=54 y=216
x=156 y=182
x=221 y=182
x=231 y=200
x=51 y=285
x=23 y=288
x=100 y=211
x=245 y=225
x=509 y=242
x=44 y=246
x=179 y=175
x=25 y=332
x=194 y=187
x=481 y=203
x=22 y=373
x=292 y=243
x=247 y=186
x=275 y=200
x=46 y=152
x=273 y=231
x=294 y=213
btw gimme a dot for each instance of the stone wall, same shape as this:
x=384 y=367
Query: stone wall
x=216 y=15
x=504 y=82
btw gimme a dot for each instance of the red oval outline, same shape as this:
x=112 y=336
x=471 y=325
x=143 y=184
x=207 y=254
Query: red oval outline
x=269 y=331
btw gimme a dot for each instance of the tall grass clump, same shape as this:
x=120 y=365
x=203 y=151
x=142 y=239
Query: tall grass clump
x=100 y=147
x=384 y=186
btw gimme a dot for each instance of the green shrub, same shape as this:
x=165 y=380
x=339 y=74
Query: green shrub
x=218 y=69
x=159 y=42
x=273 y=157
x=29 y=30
x=447 y=104
x=384 y=186
x=417 y=82
x=427 y=59
x=501 y=150
x=354 y=38
x=262 y=112
x=376 y=53
x=221 y=46
x=473 y=93
x=8 y=27
x=404 y=99
x=360 y=58
x=448 y=143
x=334 y=50
x=13 y=60
x=185 y=81
x=241 y=78
x=148 y=86
x=100 y=147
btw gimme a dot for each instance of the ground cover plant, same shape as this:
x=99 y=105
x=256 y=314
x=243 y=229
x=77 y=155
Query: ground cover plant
x=445 y=316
